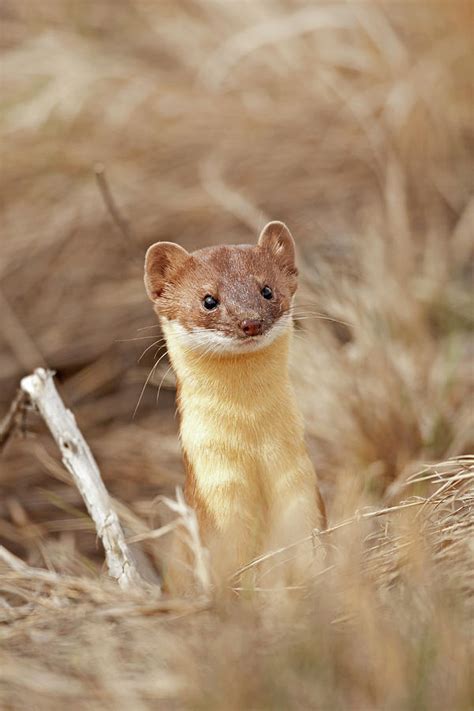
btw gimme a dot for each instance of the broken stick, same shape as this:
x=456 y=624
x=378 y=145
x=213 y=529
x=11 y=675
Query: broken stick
x=80 y=462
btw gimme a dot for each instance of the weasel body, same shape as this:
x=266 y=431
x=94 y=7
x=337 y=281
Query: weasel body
x=226 y=315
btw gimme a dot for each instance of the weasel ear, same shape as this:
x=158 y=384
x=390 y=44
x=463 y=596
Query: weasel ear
x=162 y=260
x=276 y=237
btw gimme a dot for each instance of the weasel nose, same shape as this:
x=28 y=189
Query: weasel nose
x=251 y=327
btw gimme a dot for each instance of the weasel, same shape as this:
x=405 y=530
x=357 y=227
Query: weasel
x=225 y=312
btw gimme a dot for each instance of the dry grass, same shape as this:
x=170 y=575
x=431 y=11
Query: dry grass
x=351 y=122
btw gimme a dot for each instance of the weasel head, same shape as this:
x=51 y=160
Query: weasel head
x=227 y=299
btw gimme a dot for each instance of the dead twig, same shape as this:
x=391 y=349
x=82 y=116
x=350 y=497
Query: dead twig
x=13 y=418
x=187 y=518
x=19 y=340
x=78 y=459
x=119 y=221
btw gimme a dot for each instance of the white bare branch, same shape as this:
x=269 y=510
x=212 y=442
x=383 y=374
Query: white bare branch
x=78 y=459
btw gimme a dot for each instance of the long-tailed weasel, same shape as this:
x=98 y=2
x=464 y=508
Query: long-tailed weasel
x=226 y=314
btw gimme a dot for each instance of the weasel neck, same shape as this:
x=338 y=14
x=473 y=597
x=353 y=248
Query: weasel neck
x=233 y=378
x=243 y=443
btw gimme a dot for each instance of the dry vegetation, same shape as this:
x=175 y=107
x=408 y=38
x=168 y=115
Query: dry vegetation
x=354 y=124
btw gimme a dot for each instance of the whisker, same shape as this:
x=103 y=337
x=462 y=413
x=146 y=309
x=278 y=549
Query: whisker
x=146 y=383
x=162 y=345
x=161 y=383
x=151 y=346
x=145 y=328
x=304 y=315
x=322 y=318
x=143 y=390
x=127 y=340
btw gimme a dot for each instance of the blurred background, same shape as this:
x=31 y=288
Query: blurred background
x=124 y=123
x=352 y=122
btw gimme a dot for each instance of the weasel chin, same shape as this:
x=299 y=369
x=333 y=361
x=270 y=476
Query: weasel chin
x=214 y=342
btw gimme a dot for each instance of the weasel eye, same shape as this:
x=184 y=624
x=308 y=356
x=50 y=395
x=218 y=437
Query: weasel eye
x=266 y=292
x=209 y=302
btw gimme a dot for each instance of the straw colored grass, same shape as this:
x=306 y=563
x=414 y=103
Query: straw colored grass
x=353 y=123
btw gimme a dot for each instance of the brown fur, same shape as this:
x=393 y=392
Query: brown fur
x=177 y=282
